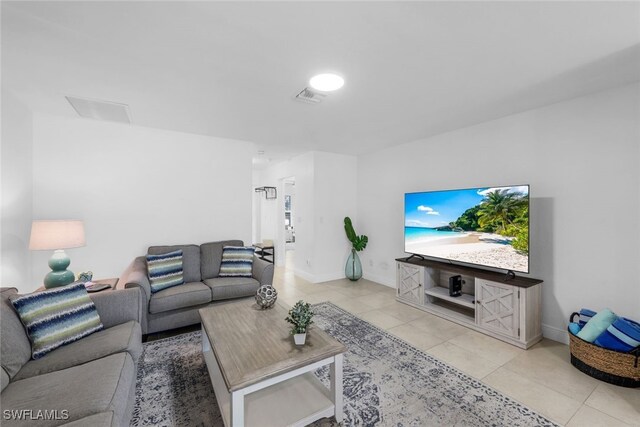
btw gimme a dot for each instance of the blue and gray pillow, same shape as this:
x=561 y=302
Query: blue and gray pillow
x=57 y=317
x=165 y=270
x=237 y=261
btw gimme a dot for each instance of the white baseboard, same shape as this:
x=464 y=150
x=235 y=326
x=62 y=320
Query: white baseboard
x=303 y=274
x=555 y=334
x=380 y=280
x=318 y=278
x=321 y=278
x=328 y=277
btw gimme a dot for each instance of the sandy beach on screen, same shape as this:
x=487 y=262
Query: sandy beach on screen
x=474 y=248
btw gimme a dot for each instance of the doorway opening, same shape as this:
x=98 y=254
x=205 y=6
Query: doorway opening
x=289 y=221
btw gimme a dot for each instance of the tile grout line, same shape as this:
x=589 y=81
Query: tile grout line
x=550 y=388
x=606 y=413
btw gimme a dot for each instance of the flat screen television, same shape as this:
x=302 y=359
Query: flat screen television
x=485 y=226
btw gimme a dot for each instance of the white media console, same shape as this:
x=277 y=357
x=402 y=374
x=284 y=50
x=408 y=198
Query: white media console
x=505 y=308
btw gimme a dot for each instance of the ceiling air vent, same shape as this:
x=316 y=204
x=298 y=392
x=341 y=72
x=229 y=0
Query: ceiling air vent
x=309 y=96
x=100 y=110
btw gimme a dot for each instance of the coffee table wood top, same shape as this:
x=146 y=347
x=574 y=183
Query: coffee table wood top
x=252 y=345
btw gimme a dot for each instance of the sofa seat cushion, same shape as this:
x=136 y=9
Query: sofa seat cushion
x=126 y=337
x=99 y=386
x=232 y=287
x=190 y=259
x=186 y=295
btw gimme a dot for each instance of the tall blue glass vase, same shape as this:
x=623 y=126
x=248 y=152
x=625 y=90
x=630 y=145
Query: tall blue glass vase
x=353 y=269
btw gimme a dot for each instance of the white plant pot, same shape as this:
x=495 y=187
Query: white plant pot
x=300 y=338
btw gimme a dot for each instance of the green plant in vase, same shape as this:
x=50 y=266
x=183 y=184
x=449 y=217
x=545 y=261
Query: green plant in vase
x=353 y=269
x=300 y=317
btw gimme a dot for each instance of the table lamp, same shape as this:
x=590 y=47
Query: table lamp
x=57 y=235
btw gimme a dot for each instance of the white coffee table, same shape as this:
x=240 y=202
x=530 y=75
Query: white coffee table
x=260 y=377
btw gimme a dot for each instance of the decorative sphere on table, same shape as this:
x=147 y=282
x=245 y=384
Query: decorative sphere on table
x=85 y=277
x=266 y=296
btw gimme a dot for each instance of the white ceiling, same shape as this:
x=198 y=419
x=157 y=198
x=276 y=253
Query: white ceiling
x=231 y=69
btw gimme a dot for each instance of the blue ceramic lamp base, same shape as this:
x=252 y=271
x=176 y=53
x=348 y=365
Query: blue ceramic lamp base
x=59 y=275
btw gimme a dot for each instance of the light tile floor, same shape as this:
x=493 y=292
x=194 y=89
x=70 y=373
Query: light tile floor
x=541 y=378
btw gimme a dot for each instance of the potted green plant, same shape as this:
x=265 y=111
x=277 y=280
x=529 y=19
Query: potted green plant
x=353 y=269
x=300 y=317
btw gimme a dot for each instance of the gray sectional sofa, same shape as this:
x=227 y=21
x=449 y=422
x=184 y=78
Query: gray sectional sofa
x=178 y=306
x=93 y=379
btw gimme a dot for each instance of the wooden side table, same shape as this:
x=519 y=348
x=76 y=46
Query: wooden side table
x=112 y=282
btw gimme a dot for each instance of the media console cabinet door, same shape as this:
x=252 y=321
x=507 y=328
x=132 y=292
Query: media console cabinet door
x=497 y=307
x=410 y=282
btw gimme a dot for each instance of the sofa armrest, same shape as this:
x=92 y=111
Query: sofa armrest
x=136 y=277
x=262 y=271
x=117 y=307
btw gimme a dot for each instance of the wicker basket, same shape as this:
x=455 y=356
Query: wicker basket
x=614 y=367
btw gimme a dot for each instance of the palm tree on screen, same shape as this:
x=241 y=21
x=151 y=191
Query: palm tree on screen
x=498 y=210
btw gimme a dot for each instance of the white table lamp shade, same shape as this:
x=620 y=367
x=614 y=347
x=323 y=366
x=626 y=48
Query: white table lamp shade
x=56 y=234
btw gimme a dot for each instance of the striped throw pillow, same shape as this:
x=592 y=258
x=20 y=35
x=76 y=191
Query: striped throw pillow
x=237 y=261
x=57 y=317
x=165 y=270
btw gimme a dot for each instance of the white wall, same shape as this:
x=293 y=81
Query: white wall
x=136 y=187
x=17 y=192
x=582 y=160
x=325 y=194
x=335 y=193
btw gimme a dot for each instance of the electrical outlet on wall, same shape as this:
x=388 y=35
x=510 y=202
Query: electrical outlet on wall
x=308 y=262
x=370 y=263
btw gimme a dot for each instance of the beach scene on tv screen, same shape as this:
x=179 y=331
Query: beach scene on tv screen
x=485 y=226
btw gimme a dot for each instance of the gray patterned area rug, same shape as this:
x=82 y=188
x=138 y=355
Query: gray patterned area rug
x=387 y=382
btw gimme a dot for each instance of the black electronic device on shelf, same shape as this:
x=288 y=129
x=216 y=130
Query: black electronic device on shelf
x=455 y=286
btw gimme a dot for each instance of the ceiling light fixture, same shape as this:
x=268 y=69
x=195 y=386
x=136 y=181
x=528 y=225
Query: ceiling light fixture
x=326 y=82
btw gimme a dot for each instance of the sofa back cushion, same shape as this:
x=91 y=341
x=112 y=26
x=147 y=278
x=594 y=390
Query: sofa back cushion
x=190 y=259
x=57 y=317
x=211 y=257
x=14 y=343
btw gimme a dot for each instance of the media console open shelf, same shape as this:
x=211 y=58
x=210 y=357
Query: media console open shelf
x=465 y=300
x=505 y=308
